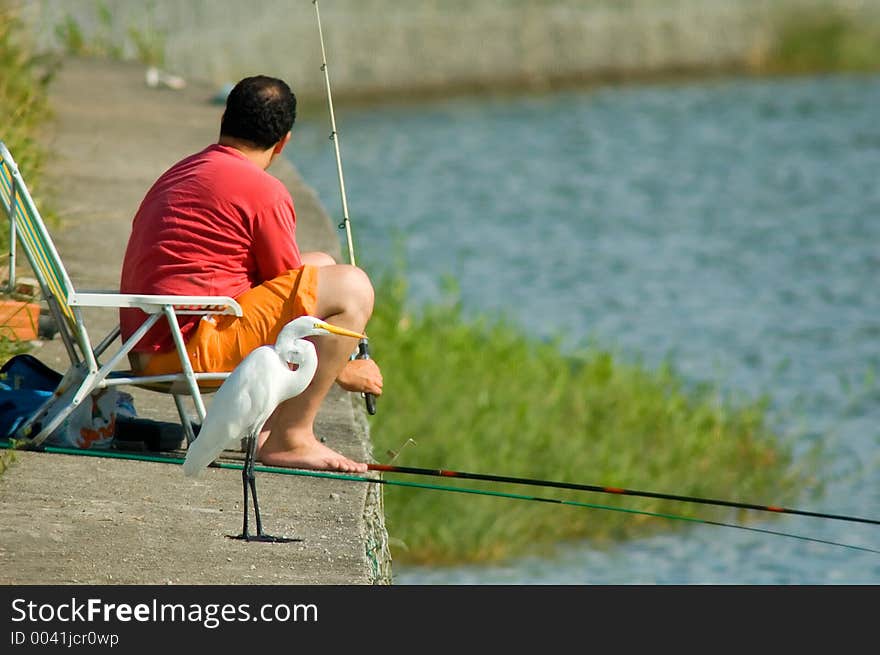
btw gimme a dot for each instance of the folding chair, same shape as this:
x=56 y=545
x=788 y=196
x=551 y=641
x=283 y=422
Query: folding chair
x=94 y=367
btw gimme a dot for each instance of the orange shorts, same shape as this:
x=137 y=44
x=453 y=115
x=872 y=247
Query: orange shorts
x=220 y=342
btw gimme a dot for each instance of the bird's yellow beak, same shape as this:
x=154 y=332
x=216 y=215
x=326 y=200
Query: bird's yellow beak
x=340 y=331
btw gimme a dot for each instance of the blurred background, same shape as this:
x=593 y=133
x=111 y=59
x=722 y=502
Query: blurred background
x=376 y=47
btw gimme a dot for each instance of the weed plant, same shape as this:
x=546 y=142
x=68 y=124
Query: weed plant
x=830 y=38
x=24 y=105
x=481 y=395
x=106 y=40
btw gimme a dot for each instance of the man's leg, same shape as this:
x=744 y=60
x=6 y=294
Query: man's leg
x=345 y=298
x=357 y=375
x=317 y=258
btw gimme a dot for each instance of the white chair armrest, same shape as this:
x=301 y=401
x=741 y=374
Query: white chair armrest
x=152 y=304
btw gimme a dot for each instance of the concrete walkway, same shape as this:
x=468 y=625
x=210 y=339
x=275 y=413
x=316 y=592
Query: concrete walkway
x=74 y=519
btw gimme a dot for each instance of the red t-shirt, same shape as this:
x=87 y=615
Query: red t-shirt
x=215 y=223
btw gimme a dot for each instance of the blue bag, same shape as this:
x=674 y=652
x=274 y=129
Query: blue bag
x=26 y=383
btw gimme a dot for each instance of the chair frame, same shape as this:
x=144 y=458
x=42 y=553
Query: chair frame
x=95 y=367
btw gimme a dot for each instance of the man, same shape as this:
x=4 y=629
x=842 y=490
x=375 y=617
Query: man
x=217 y=223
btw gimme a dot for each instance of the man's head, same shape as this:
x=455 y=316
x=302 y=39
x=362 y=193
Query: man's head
x=260 y=110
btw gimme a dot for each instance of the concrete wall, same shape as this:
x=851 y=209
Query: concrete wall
x=374 y=45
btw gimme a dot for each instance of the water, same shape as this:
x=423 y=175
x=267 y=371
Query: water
x=730 y=225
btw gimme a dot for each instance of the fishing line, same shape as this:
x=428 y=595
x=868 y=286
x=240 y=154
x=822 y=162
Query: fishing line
x=363 y=345
x=418 y=485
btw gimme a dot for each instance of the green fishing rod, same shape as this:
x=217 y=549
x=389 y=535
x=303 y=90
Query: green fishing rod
x=444 y=473
x=363 y=345
x=162 y=459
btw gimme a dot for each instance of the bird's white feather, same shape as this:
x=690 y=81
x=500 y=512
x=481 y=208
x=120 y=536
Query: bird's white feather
x=261 y=382
x=241 y=405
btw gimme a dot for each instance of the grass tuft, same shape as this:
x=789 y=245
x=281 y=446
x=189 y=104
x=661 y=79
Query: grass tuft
x=24 y=106
x=824 y=40
x=480 y=395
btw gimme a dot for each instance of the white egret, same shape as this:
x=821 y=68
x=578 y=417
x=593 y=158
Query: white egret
x=262 y=381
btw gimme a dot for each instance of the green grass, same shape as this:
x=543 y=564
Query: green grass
x=146 y=40
x=481 y=395
x=825 y=39
x=24 y=106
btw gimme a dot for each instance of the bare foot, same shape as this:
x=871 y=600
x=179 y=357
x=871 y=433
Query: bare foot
x=310 y=455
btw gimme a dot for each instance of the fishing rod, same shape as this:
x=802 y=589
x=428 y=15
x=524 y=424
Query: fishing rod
x=162 y=459
x=363 y=345
x=543 y=499
x=444 y=473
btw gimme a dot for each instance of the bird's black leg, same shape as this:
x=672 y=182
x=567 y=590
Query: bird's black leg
x=247 y=474
x=244 y=488
x=248 y=479
x=252 y=481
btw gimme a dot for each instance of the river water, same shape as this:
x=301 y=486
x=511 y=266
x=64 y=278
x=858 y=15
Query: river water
x=730 y=225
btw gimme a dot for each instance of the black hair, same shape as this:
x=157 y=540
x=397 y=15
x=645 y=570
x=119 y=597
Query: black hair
x=259 y=109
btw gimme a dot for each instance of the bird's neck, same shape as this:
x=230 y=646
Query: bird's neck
x=308 y=367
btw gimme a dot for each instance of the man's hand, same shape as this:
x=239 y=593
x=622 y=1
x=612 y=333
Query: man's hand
x=361 y=375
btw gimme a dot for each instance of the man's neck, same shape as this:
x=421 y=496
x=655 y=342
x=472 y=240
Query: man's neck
x=258 y=156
